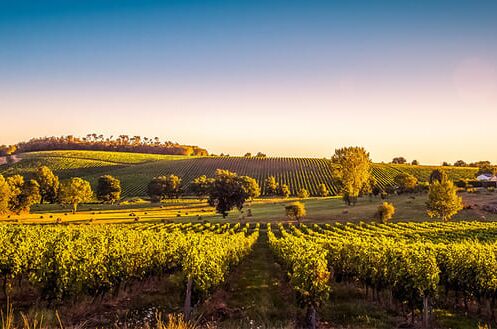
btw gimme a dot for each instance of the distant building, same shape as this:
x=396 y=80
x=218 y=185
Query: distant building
x=487 y=178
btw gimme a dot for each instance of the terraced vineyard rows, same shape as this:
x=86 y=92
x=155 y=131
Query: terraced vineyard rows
x=136 y=170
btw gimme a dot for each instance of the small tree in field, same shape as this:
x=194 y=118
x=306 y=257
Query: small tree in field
x=443 y=201
x=271 y=185
x=30 y=195
x=164 y=186
x=303 y=194
x=296 y=211
x=352 y=169
x=108 y=189
x=323 y=190
x=385 y=212
x=399 y=160
x=228 y=190
x=284 y=190
x=75 y=191
x=49 y=184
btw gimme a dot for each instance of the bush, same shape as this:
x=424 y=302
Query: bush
x=296 y=211
x=303 y=194
x=385 y=212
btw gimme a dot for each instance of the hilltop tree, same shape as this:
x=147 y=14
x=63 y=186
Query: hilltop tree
x=438 y=175
x=352 y=169
x=228 y=190
x=443 y=201
x=323 y=190
x=49 y=184
x=415 y=162
x=75 y=191
x=406 y=182
x=260 y=155
x=303 y=193
x=296 y=211
x=200 y=186
x=445 y=164
x=271 y=185
x=248 y=155
x=399 y=160
x=284 y=190
x=460 y=163
x=108 y=189
x=164 y=186
x=4 y=195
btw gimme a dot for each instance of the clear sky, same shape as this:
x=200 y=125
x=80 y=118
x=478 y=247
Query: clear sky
x=294 y=78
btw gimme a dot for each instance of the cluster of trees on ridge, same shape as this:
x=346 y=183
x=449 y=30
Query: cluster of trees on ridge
x=227 y=190
x=94 y=142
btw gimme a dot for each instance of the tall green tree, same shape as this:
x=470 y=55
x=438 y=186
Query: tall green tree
x=108 y=189
x=4 y=195
x=164 y=186
x=271 y=185
x=75 y=191
x=49 y=184
x=30 y=195
x=228 y=190
x=438 y=175
x=352 y=170
x=15 y=184
x=443 y=201
x=296 y=211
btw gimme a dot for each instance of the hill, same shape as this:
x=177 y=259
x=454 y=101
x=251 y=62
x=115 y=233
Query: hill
x=135 y=169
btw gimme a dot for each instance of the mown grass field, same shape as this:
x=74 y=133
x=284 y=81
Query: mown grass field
x=135 y=170
x=411 y=207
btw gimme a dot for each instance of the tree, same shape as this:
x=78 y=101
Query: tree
x=415 y=162
x=284 y=190
x=30 y=195
x=271 y=185
x=108 y=189
x=352 y=169
x=445 y=164
x=4 y=195
x=385 y=212
x=296 y=211
x=437 y=175
x=228 y=190
x=15 y=184
x=443 y=201
x=399 y=160
x=248 y=155
x=460 y=163
x=406 y=182
x=200 y=186
x=303 y=193
x=49 y=184
x=323 y=190
x=164 y=186
x=487 y=170
x=75 y=191
x=260 y=155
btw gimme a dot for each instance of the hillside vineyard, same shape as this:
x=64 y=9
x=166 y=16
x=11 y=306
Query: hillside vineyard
x=136 y=170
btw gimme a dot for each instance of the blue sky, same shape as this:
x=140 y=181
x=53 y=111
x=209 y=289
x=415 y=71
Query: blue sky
x=284 y=77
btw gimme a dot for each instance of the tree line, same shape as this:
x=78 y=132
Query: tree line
x=94 y=142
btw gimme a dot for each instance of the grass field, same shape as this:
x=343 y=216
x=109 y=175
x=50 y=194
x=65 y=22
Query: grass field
x=409 y=207
x=135 y=170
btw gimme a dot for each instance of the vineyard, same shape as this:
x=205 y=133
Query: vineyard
x=136 y=170
x=408 y=267
x=64 y=262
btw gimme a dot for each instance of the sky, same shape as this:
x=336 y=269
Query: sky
x=289 y=78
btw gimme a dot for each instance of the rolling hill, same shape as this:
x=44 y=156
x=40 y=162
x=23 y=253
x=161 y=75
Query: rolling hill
x=135 y=169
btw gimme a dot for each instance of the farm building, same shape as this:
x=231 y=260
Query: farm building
x=487 y=178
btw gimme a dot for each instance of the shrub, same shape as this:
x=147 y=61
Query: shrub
x=296 y=211
x=303 y=194
x=385 y=212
